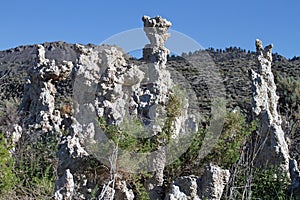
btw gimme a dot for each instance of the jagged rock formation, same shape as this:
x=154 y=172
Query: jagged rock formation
x=107 y=87
x=184 y=188
x=114 y=88
x=73 y=151
x=273 y=149
x=233 y=64
x=66 y=186
x=209 y=186
x=153 y=100
x=38 y=110
x=155 y=54
x=39 y=92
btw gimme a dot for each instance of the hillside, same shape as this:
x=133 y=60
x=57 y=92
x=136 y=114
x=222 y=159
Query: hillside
x=233 y=64
x=92 y=122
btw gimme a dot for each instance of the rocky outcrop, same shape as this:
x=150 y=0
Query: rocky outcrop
x=103 y=86
x=209 y=186
x=74 y=154
x=111 y=89
x=122 y=192
x=184 y=188
x=213 y=182
x=107 y=88
x=65 y=186
x=155 y=54
x=39 y=92
x=273 y=149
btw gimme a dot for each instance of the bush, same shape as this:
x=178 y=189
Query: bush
x=225 y=153
x=269 y=184
x=35 y=167
x=8 y=178
x=234 y=134
x=227 y=150
x=31 y=172
x=129 y=135
x=289 y=92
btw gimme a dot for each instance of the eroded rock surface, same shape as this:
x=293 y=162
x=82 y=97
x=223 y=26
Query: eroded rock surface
x=273 y=147
x=40 y=89
x=106 y=87
x=65 y=186
x=209 y=186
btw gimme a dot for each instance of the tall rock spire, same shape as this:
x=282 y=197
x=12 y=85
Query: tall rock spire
x=273 y=147
x=155 y=54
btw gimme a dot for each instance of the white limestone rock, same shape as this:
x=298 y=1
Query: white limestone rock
x=274 y=149
x=40 y=91
x=65 y=187
x=213 y=182
x=210 y=186
x=122 y=192
x=184 y=188
x=107 y=87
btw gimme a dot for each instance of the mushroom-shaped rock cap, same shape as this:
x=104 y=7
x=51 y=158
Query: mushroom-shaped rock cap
x=157 y=21
x=156 y=30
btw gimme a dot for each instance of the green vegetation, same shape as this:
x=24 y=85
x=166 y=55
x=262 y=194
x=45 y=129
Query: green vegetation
x=130 y=137
x=126 y=134
x=129 y=134
x=269 y=184
x=225 y=153
x=31 y=171
x=235 y=131
x=7 y=177
x=137 y=181
x=254 y=183
x=289 y=91
x=35 y=167
x=227 y=150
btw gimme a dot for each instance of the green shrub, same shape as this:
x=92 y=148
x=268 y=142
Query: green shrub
x=35 y=167
x=126 y=135
x=225 y=153
x=137 y=181
x=8 y=178
x=129 y=134
x=269 y=184
x=289 y=92
x=234 y=134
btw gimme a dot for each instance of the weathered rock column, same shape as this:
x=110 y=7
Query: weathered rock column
x=155 y=54
x=101 y=86
x=72 y=154
x=273 y=147
x=209 y=186
x=38 y=100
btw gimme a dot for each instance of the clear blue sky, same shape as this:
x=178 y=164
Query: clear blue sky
x=211 y=23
